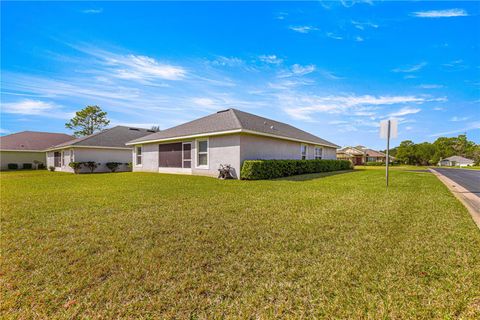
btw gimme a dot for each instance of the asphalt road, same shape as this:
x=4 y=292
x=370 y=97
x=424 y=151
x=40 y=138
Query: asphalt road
x=469 y=179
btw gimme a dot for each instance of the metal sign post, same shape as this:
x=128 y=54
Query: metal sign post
x=388 y=128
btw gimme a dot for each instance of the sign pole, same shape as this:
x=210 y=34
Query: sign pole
x=388 y=150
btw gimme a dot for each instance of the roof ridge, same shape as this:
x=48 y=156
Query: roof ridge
x=80 y=139
x=234 y=111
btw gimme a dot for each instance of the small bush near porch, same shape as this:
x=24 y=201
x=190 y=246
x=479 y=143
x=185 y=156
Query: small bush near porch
x=157 y=246
x=270 y=169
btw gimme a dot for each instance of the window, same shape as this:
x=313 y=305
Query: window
x=318 y=153
x=71 y=155
x=63 y=158
x=303 y=149
x=202 y=153
x=138 y=156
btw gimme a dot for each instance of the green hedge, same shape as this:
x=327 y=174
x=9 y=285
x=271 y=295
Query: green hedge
x=270 y=169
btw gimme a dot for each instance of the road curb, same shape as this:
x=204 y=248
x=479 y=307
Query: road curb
x=468 y=199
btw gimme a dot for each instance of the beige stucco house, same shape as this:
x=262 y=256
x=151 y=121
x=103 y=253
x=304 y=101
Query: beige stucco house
x=360 y=155
x=226 y=137
x=101 y=147
x=26 y=149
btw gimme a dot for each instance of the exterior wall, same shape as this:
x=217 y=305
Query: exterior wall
x=222 y=150
x=149 y=158
x=98 y=155
x=20 y=157
x=254 y=147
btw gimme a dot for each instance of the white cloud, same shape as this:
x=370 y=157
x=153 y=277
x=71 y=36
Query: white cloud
x=135 y=67
x=303 y=29
x=300 y=70
x=330 y=75
x=459 y=119
x=333 y=36
x=4 y=131
x=303 y=106
x=471 y=126
x=403 y=112
x=228 y=61
x=441 y=13
x=430 y=86
x=206 y=103
x=359 y=39
x=272 y=59
x=412 y=68
x=35 y=108
x=363 y=25
x=281 y=15
x=93 y=11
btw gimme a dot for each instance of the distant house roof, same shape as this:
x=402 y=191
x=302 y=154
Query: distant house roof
x=360 y=151
x=115 y=137
x=459 y=159
x=32 y=140
x=233 y=120
x=350 y=151
x=373 y=153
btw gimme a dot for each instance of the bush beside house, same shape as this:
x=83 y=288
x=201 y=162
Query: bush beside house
x=270 y=169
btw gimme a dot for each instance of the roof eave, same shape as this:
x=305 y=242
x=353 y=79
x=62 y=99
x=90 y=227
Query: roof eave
x=133 y=142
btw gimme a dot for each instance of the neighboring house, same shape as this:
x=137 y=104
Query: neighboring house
x=28 y=146
x=360 y=155
x=102 y=147
x=226 y=137
x=455 y=161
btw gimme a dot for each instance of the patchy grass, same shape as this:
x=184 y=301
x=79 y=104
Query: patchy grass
x=139 y=245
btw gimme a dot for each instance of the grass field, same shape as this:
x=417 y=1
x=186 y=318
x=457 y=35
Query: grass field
x=139 y=245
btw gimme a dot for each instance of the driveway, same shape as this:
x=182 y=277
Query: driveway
x=469 y=179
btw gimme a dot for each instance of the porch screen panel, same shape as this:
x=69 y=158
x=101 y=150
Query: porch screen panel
x=57 y=156
x=170 y=155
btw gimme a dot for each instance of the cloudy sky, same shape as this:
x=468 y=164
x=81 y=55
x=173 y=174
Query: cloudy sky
x=331 y=68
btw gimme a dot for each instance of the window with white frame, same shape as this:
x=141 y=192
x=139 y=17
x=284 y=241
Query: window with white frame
x=303 y=150
x=138 y=155
x=202 y=153
x=71 y=155
x=63 y=158
x=318 y=153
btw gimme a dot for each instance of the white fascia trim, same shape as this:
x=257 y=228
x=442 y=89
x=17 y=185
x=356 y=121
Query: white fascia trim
x=11 y=150
x=230 y=132
x=88 y=147
x=187 y=137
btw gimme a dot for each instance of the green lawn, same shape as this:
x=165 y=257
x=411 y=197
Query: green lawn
x=139 y=245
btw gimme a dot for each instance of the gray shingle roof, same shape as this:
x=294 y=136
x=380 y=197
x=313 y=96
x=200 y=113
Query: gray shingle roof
x=32 y=140
x=233 y=119
x=115 y=137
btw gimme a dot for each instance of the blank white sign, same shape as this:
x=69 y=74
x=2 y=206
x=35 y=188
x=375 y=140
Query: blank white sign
x=393 y=128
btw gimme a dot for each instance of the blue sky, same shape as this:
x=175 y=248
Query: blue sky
x=334 y=69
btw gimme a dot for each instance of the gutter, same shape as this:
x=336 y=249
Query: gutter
x=231 y=132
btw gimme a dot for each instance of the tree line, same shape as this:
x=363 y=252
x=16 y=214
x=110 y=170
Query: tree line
x=427 y=153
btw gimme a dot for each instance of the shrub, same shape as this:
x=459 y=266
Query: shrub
x=270 y=169
x=27 y=166
x=92 y=165
x=37 y=164
x=51 y=168
x=12 y=166
x=113 y=165
x=130 y=165
x=41 y=166
x=76 y=166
